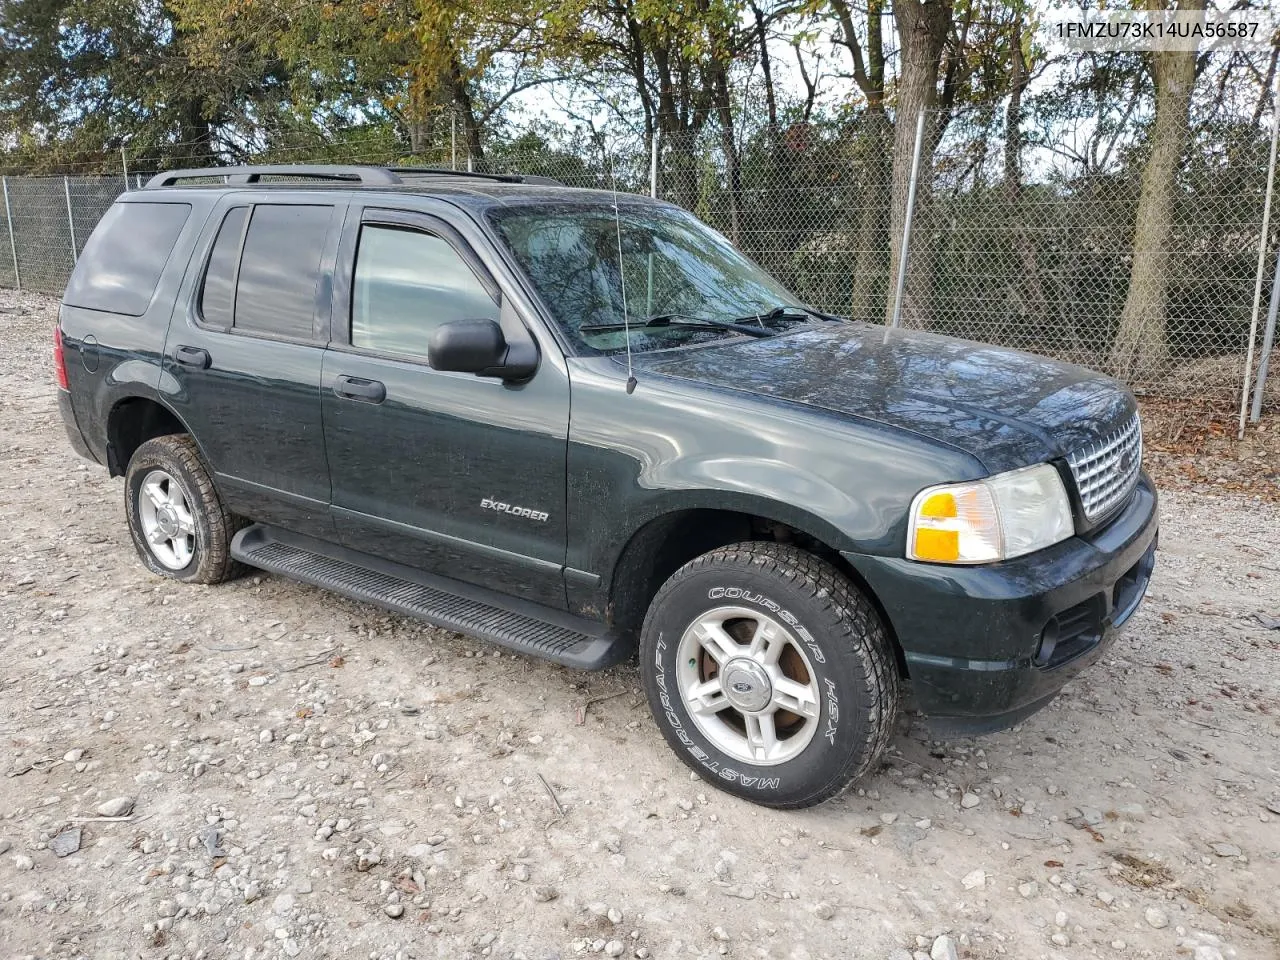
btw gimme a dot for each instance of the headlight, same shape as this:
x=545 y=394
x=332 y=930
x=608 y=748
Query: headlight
x=999 y=518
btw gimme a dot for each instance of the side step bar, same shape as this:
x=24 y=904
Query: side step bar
x=517 y=624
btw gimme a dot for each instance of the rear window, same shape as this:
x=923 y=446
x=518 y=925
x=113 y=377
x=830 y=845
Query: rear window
x=122 y=262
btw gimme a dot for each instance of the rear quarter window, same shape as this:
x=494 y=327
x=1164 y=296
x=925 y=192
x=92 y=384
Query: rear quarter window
x=124 y=257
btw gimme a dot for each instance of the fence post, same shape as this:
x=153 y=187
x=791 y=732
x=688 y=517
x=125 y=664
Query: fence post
x=906 y=225
x=653 y=170
x=71 y=220
x=1262 y=259
x=124 y=162
x=13 y=243
x=1268 y=341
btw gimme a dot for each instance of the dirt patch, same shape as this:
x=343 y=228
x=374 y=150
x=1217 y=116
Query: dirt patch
x=264 y=770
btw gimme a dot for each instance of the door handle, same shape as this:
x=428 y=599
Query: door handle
x=192 y=357
x=357 y=388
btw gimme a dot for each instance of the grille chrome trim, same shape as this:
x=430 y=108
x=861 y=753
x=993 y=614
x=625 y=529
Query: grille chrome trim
x=1106 y=471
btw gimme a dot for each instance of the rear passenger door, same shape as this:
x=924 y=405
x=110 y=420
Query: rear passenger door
x=454 y=474
x=242 y=366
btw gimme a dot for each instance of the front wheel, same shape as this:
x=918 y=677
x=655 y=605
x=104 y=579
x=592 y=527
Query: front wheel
x=769 y=674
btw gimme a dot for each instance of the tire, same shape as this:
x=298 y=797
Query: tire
x=180 y=500
x=835 y=666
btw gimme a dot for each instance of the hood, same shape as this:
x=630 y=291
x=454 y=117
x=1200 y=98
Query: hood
x=1007 y=408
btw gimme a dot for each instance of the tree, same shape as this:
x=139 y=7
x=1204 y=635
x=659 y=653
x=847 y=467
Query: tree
x=923 y=27
x=1140 y=343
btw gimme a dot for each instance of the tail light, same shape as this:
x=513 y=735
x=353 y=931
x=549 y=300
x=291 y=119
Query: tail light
x=59 y=362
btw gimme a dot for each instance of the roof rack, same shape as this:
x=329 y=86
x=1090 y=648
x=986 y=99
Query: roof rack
x=357 y=173
x=499 y=177
x=378 y=176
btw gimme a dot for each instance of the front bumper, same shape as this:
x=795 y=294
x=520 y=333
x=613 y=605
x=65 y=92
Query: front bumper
x=987 y=646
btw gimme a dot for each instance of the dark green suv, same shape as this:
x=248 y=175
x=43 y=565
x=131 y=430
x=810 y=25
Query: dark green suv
x=574 y=423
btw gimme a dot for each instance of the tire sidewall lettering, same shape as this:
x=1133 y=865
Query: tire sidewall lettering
x=759 y=778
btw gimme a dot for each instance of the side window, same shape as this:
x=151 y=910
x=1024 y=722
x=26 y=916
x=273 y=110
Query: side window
x=279 y=270
x=218 y=292
x=120 y=268
x=407 y=283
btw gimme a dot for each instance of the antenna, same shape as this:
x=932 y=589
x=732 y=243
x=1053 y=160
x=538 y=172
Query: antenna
x=622 y=273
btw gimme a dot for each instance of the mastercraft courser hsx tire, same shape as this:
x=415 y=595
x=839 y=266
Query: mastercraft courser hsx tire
x=179 y=524
x=769 y=673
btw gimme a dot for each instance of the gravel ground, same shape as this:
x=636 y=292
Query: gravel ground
x=264 y=770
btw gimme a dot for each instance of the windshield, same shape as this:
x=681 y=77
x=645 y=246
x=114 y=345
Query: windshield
x=671 y=264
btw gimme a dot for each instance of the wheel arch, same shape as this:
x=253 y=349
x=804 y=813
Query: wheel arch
x=669 y=540
x=133 y=421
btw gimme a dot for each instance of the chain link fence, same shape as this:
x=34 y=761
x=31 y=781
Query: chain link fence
x=1029 y=247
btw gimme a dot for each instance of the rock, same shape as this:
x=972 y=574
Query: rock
x=1118 y=944
x=944 y=948
x=291 y=947
x=1028 y=889
x=1226 y=849
x=1157 y=917
x=1274 y=805
x=1060 y=918
x=252 y=892
x=614 y=915
x=1061 y=939
x=22 y=862
x=66 y=843
x=74 y=756
x=970 y=800
x=824 y=911
x=888 y=818
x=266 y=736
x=1106 y=898
x=520 y=873
x=1207 y=951
x=282 y=906
x=394 y=910
x=1091 y=815
x=974 y=879
x=116 y=807
x=719 y=933
x=1028 y=808
x=545 y=894
x=167 y=908
x=614 y=948
x=5 y=847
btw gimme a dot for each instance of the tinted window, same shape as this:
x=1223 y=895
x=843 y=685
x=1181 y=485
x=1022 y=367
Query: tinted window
x=217 y=295
x=122 y=262
x=408 y=283
x=280 y=269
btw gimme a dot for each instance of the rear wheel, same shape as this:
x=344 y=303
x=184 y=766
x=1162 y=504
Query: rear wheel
x=179 y=525
x=769 y=673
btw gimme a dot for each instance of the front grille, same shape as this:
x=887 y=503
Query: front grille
x=1107 y=469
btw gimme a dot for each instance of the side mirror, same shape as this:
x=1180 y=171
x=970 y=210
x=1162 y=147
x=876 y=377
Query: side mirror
x=479 y=347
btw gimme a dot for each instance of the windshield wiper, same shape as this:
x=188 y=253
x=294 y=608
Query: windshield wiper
x=678 y=321
x=788 y=312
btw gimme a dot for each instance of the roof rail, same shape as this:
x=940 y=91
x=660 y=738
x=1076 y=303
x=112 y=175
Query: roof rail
x=500 y=177
x=375 y=176
x=357 y=173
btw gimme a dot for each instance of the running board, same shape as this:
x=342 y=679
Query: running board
x=510 y=622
